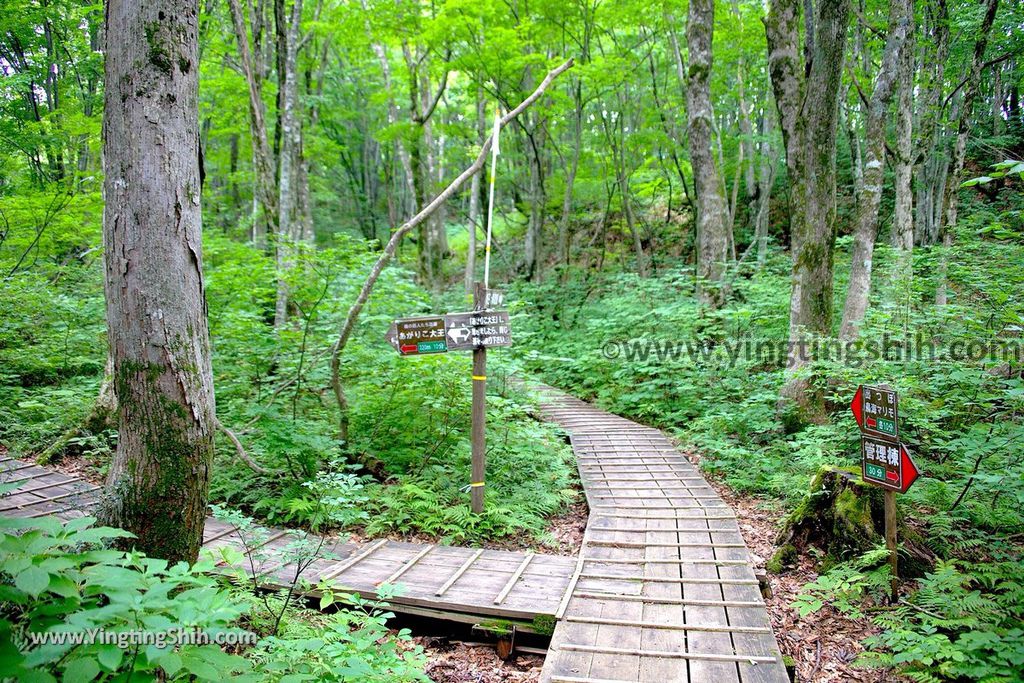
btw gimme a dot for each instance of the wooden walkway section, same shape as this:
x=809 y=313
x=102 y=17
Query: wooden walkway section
x=470 y=585
x=663 y=590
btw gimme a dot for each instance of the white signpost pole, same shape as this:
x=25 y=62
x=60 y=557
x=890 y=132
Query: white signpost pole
x=490 y=198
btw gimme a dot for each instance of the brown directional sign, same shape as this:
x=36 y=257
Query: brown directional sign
x=887 y=464
x=475 y=329
x=418 y=336
x=876 y=411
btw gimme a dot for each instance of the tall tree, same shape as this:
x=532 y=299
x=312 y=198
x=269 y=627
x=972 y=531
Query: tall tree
x=870 y=193
x=952 y=200
x=807 y=98
x=712 y=237
x=158 y=483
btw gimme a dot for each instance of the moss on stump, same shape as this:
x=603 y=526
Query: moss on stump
x=840 y=515
x=843 y=517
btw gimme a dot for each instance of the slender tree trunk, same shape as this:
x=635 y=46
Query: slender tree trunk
x=930 y=161
x=807 y=102
x=765 y=183
x=288 y=227
x=712 y=238
x=158 y=483
x=564 y=221
x=998 y=123
x=874 y=171
x=265 y=194
x=903 y=164
x=952 y=199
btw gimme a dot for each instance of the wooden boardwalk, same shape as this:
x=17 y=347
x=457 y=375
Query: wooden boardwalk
x=663 y=590
x=462 y=584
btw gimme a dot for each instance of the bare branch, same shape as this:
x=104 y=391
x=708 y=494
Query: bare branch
x=240 y=449
x=408 y=226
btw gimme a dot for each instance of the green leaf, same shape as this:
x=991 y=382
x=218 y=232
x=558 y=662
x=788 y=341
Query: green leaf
x=81 y=670
x=33 y=580
x=110 y=657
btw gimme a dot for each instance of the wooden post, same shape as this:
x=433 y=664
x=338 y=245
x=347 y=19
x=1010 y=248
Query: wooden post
x=479 y=411
x=890 y=541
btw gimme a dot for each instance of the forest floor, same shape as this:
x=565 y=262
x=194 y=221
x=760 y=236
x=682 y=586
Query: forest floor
x=823 y=644
x=455 y=662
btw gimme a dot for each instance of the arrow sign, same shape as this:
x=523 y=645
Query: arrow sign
x=474 y=329
x=887 y=465
x=876 y=411
x=418 y=336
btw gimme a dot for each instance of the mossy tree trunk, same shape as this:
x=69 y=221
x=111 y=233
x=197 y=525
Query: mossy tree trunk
x=842 y=517
x=156 y=311
x=807 y=99
x=712 y=238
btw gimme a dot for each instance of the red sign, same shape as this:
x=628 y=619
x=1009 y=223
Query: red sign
x=887 y=464
x=875 y=409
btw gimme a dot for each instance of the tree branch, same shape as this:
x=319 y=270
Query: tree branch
x=408 y=226
x=240 y=449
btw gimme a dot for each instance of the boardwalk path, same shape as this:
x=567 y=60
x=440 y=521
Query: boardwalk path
x=664 y=590
x=462 y=584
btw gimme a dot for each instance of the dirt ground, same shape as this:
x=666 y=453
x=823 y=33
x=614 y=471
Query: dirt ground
x=451 y=662
x=824 y=644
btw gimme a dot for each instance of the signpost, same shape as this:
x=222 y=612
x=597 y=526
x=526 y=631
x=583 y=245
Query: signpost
x=885 y=460
x=475 y=331
x=418 y=336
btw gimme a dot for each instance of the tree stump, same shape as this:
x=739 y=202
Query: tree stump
x=843 y=517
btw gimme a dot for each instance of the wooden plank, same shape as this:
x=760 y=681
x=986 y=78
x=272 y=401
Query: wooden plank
x=671 y=654
x=620 y=597
x=669 y=579
x=660 y=590
x=458 y=573
x=352 y=561
x=515 y=578
x=408 y=565
x=746 y=640
x=672 y=627
x=39 y=501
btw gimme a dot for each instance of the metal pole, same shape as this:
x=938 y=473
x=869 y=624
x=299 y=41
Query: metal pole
x=890 y=542
x=476 y=485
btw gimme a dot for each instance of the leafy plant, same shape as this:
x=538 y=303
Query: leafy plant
x=57 y=583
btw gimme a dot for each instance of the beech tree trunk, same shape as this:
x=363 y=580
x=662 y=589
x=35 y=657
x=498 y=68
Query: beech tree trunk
x=288 y=227
x=903 y=164
x=265 y=194
x=874 y=172
x=712 y=237
x=929 y=163
x=765 y=182
x=158 y=483
x=807 y=97
x=476 y=207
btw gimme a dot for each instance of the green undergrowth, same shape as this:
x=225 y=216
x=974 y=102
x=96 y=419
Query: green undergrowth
x=59 y=581
x=410 y=416
x=645 y=349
